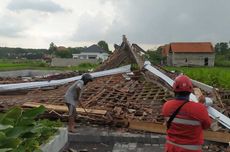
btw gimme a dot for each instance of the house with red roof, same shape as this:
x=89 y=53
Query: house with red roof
x=189 y=54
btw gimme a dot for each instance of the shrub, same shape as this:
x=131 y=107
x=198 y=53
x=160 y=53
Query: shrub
x=214 y=76
x=19 y=132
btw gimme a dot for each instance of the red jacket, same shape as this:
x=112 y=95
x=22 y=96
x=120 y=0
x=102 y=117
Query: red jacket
x=184 y=133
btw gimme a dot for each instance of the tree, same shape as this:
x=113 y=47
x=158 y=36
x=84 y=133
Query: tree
x=104 y=45
x=221 y=47
x=63 y=53
x=52 y=48
x=222 y=57
x=155 y=56
x=76 y=50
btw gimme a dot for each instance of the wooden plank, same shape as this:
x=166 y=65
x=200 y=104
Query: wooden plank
x=155 y=97
x=222 y=137
x=218 y=98
x=147 y=126
x=94 y=98
x=64 y=108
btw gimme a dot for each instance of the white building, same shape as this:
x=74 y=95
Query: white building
x=92 y=52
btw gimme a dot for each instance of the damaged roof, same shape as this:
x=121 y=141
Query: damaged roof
x=188 y=47
x=136 y=96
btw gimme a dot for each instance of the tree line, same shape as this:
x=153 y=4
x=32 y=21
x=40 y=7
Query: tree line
x=20 y=53
x=67 y=52
x=222 y=50
x=23 y=53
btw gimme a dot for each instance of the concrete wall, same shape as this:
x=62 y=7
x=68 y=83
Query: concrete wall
x=28 y=73
x=57 y=142
x=62 y=62
x=102 y=56
x=189 y=59
x=169 y=59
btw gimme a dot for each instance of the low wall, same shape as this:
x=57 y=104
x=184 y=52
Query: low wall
x=57 y=143
x=63 y=62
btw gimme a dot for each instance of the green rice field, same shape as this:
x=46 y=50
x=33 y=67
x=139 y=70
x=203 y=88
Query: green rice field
x=215 y=76
x=7 y=65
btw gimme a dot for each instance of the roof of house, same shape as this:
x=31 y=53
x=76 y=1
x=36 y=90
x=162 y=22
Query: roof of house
x=94 y=49
x=188 y=47
x=204 y=47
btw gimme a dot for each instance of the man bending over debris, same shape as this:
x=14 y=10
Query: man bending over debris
x=72 y=96
x=185 y=120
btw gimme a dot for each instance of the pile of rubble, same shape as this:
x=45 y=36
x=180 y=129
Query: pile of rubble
x=19 y=79
x=123 y=97
x=132 y=100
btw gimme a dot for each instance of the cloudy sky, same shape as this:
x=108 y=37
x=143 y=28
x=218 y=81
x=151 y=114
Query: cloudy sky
x=36 y=23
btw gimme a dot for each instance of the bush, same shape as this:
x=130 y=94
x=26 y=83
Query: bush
x=42 y=64
x=222 y=59
x=214 y=76
x=19 y=132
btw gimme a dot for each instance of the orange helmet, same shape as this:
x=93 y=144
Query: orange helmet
x=182 y=83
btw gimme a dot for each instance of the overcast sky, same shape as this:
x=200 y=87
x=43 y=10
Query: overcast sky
x=37 y=23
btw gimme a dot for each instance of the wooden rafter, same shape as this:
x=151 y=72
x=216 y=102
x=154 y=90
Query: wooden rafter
x=222 y=137
x=63 y=108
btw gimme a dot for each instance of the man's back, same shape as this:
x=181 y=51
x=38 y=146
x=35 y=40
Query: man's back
x=71 y=95
x=188 y=124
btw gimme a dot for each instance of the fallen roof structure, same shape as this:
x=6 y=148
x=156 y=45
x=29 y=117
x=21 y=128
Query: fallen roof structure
x=40 y=84
x=131 y=100
x=124 y=54
x=208 y=101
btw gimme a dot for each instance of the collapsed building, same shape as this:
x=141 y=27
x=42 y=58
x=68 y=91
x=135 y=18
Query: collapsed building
x=130 y=100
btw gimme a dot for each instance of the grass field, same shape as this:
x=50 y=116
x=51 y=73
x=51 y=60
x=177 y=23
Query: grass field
x=7 y=65
x=222 y=60
x=20 y=64
x=214 y=76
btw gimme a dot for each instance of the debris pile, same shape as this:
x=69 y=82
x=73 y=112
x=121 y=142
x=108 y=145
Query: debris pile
x=19 y=79
x=126 y=99
x=135 y=97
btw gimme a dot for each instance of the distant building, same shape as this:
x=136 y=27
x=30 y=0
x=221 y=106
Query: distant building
x=92 y=52
x=189 y=54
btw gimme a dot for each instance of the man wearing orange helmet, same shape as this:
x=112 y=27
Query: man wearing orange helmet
x=185 y=120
